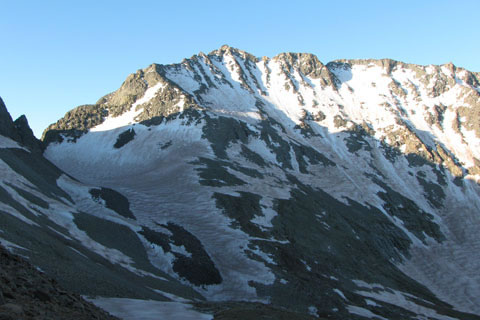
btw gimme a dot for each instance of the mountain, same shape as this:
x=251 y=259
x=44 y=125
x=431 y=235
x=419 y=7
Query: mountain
x=262 y=186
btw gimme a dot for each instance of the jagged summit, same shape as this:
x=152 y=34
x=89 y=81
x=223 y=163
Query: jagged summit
x=18 y=130
x=345 y=190
x=298 y=86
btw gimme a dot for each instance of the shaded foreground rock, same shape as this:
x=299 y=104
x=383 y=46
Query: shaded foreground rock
x=27 y=293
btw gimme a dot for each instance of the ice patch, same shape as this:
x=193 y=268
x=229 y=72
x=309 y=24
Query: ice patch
x=371 y=303
x=340 y=293
x=134 y=309
x=397 y=298
x=364 y=312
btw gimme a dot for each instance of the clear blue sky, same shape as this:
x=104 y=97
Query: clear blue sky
x=55 y=55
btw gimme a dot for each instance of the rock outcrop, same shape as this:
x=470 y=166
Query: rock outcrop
x=27 y=293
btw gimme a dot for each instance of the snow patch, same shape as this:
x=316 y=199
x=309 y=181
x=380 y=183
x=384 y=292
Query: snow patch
x=312 y=310
x=340 y=293
x=133 y=309
x=364 y=312
x=10 y=246
x=9 y=143
x=398 y=298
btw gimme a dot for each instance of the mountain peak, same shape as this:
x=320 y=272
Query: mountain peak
x=228 y=50
x=196 y=81
x=18 y=130
x=272 y=179
x=7 y=127
x=26 y=136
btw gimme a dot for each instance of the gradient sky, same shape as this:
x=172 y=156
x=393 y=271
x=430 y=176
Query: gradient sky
x=56 y=55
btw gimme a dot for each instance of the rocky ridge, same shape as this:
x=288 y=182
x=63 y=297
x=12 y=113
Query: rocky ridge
x=328 y=190
x=296 y=69
x=18 y=130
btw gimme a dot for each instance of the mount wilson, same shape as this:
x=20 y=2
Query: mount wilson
x=256 y=187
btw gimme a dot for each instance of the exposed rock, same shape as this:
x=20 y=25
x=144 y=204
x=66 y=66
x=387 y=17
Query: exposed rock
x=12 y=309
x=33 y=295
x=7 y=128
x=339 y=121
x=320 y=116
x=19 y=130
x=130 y=90
x=113 y=200
x=124 y=138
x=290 y=208
x=75 y=123
x=26 y=136
x=198 y=268
x=309 y=66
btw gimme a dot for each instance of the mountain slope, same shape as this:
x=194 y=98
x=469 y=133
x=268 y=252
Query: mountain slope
x=27 y=293
x=341 y=190
x=57 y=223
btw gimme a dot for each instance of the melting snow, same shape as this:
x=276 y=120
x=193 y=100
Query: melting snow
x=9 y=143
x=378 y=292
x=340 y=293
x=364 y=312
x=11 y=246
x=365 y=94
x=133 y=309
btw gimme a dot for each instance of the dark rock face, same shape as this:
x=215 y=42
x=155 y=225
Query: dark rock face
x=7 y=128
x=124 y=138
x=19 y=130
x=199 y=269
x=195 y=265
x=113 y=200
x=26 y=293
x=26 y=136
